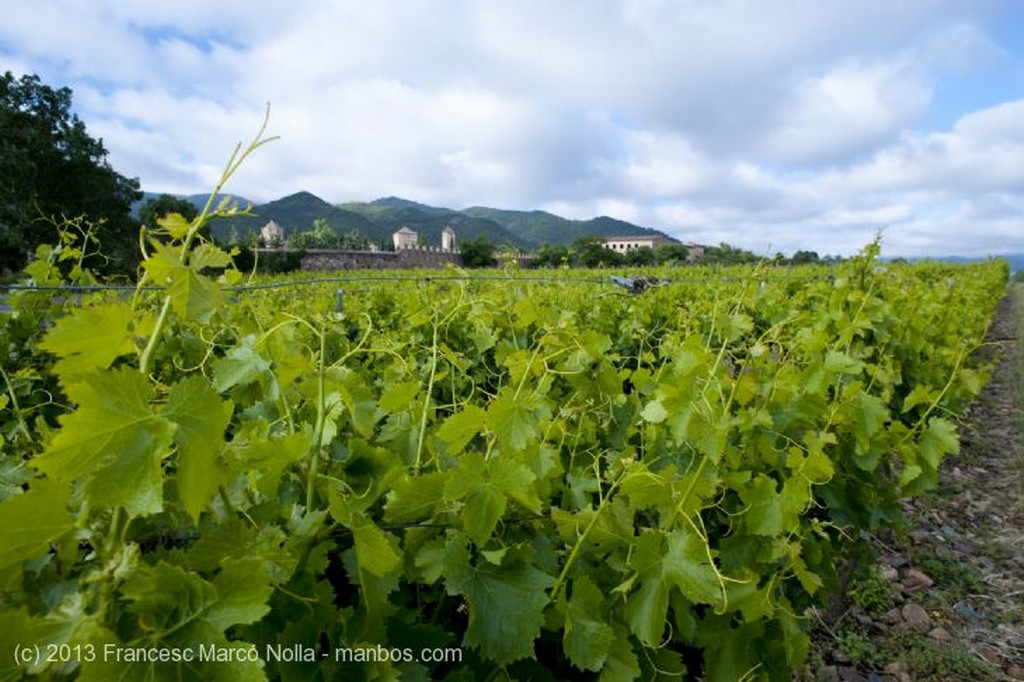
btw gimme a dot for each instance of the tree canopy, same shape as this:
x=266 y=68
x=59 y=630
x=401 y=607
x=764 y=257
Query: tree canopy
x=477 y=253
x=50 y=168
x=324 y=236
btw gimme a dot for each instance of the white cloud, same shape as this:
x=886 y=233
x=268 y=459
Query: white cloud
x=767 y=125
x=851 y=107
x=663 y=165
x=984 y=152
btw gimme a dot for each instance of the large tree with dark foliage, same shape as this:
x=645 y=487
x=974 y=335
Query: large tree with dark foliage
x=50 y=168
x=477 y=253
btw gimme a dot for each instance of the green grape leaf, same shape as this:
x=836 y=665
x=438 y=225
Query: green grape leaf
x=622 y=664
x=175 y=225
x=460 y=428
x=811 y=582
x=201 y=417
x=939 y=439
x=484 y=502
x=484 y=486
x=870 y=415
x=414 y=498
x=165 y=596
x=376 y=551
x=516 y=420
x=113 y=441
x=922 y=394
x=241 y=365
x=667 y=491
x=817 y=467
x=587 y=636
x=763 y=515
x=208 y=255
x=264 y=461
x=662 y=561
x=193 y=296
x=506 y=603
x=29 y=522
x=841 y=363
x=356 y=396
x=647 y=610
x=90 y=338
x=399 y=397
x=243 y=593
x=654 y=412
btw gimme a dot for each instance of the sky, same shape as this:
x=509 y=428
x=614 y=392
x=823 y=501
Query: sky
x=772 y=125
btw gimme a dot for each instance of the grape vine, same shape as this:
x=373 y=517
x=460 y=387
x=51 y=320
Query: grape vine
x=560 y=481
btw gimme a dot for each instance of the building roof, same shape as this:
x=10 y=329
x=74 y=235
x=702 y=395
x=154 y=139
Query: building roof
x=627 y=237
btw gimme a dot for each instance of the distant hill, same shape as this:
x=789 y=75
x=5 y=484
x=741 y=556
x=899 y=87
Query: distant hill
x=377 y=219
x=543 y=227
x=392 y=213
x=296 y=213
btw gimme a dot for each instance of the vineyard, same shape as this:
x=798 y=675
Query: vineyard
x=543 y=477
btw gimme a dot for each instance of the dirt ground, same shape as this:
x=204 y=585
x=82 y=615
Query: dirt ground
x=946 y=602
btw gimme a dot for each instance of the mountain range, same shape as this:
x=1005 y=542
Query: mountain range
x=377 y=220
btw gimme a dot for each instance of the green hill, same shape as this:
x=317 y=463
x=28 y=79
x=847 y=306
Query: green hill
x=543 y=227
x=392 y=213
x=296 y=213
x=377 y=220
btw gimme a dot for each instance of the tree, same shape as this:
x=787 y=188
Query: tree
x=549 y=256
x=323 y=236
x=165 y=204
x=672 y=254
x=51 y=168
x=804 y=257
x=641 y=256
x=590 y=252
x=726 y=254
x=477 y=253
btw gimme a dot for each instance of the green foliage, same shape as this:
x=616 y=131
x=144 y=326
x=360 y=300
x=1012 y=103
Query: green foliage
x=323 y=236
x=672 y=254
x=725 y=254
x=559 y=484
x=644 y=255
x=590 y=252
x=51 y=169
x=922 y=658
x=871 y=592
x=477 y=253
x=804 y=258
x=549 y=256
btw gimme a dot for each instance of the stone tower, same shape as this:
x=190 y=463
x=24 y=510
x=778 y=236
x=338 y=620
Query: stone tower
x=448 y=239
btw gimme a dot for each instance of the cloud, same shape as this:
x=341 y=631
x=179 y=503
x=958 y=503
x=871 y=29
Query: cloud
x=803 y=125
x=983 y=152
x=850 y=108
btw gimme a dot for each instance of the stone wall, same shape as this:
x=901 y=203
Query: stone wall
x=419 y=257
x=325 y=259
